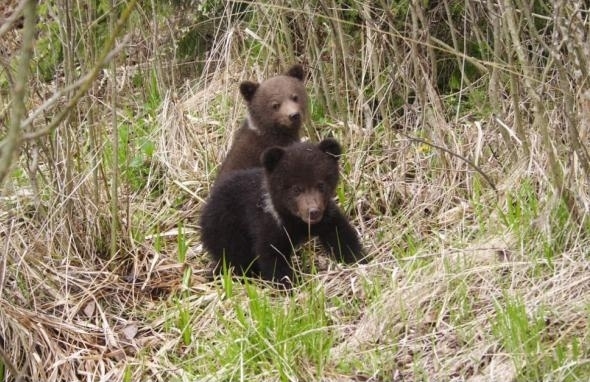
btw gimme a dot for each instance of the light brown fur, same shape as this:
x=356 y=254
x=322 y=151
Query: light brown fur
x=276 y=110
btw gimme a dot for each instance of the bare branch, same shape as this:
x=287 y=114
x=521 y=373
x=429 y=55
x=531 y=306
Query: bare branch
x=50 y=102
x=104 y=58
x=12 y=141
x=469 y=162
x=7 y=24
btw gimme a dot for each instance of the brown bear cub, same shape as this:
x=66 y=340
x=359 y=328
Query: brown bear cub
x=277 y=108
x=255 y=218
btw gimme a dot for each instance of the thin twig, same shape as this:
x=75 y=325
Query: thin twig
x=51 y=101
x=470 y=163
x=91 y=76
x=115 y=142
x=12 y=141
x=7 y=23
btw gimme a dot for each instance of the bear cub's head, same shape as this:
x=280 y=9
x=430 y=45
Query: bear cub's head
x=278 y=102
x=302 y=178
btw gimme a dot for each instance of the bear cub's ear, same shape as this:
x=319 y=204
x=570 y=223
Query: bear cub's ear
x=331 y=146
x=271 y=157
x=296 y=71
x=247 y=89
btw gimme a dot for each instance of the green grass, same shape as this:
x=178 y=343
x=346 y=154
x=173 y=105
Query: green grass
x=260 y=331
x=528 y=334
x=521 y=336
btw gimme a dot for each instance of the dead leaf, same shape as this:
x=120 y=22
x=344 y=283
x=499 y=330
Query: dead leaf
x=130 y=331
x=89 y=309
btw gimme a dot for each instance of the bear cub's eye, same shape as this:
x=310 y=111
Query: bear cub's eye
x=321 y=186
x=275 y=106
x=295 y=98
x=297 y=190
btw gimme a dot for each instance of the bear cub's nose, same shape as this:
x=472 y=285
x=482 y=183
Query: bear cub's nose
x=295 y=117
x=315 y=215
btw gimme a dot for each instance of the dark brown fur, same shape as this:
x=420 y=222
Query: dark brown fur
x=277 y=109
x=255 y=218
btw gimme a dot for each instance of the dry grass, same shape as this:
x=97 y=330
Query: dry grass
x=473 y=277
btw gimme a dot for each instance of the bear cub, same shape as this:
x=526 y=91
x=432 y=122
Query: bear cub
x=277 y=108
x=255 y=218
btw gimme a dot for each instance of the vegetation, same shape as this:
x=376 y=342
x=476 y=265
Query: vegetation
x=465 y=127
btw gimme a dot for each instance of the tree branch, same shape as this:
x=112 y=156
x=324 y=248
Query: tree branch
x=12 y=141
x=103 y=59
x=7 y=23
x=50 y=102
x=469 y=162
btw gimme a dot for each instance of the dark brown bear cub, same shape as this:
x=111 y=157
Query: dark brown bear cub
x=255 y=218
x=276 y=110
